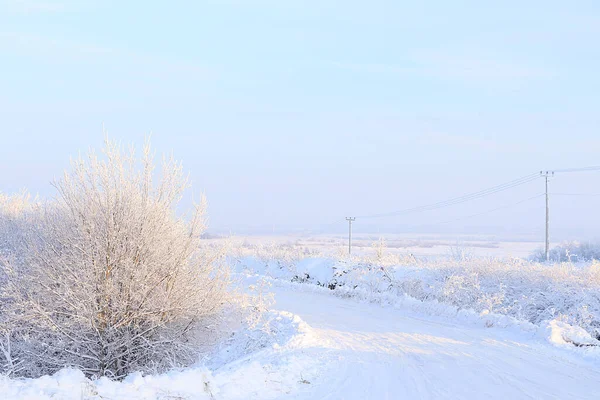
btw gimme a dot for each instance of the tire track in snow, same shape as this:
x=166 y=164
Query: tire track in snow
x=379 y=353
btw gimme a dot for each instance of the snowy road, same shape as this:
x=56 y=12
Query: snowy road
x=336 y=348
x=370 y=352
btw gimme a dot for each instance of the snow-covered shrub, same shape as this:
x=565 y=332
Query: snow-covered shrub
x=522 y=289
x=14 y=205
x=16 y=221
x=570 y=252
x=15 y=212
x=459 y=253
x=525 y=290
x=111 y=280
x=460 y=289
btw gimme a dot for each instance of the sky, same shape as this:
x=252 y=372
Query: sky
x=290 y=115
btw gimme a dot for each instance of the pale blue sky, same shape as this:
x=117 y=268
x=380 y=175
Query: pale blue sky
x=295 y=113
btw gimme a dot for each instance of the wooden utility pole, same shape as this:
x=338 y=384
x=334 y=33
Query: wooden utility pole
x=547 y=175
x=350 y=219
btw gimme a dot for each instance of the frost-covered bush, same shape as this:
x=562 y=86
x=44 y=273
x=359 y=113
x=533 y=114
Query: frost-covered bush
x=518 y=288
x=525 y=290
x=15 y=214
x=110 y=280
x=277 y=260
x=570 y=252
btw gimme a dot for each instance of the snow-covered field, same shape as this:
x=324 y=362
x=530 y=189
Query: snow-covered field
x=385 y=325
x=332 y=348
x=420 y=245
x=511 y=287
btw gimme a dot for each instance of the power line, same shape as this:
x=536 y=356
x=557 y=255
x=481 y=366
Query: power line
x=492 y=210
x=583 y=169
x=576 y=194
x=483 y=193
x=537 y=196
x=477 y=195
x=461 y=199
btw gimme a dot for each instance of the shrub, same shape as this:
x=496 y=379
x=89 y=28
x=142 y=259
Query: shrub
x=525 y=290
x=13 y=212
x=570 y=252
x=111 y=279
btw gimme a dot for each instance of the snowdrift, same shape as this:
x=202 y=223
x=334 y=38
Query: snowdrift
x=238 y=369
x=562 y=298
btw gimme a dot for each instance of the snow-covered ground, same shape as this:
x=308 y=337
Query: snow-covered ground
x=370 y=352
x=420 y=245
x=266 y=363
x=393 y=327
x=508 y=292
x=324 y=347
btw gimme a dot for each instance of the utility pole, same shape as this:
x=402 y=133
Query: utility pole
x=350 y=219
x=546 y=175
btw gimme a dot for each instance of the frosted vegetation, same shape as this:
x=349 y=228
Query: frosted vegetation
x=108 y=278
x=570 y=252
x=526 y=290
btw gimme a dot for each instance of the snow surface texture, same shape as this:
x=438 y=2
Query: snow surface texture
x=373 y=352
x=352 y=350
x=525 y=291
x=262 y=363
x=337 y=348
